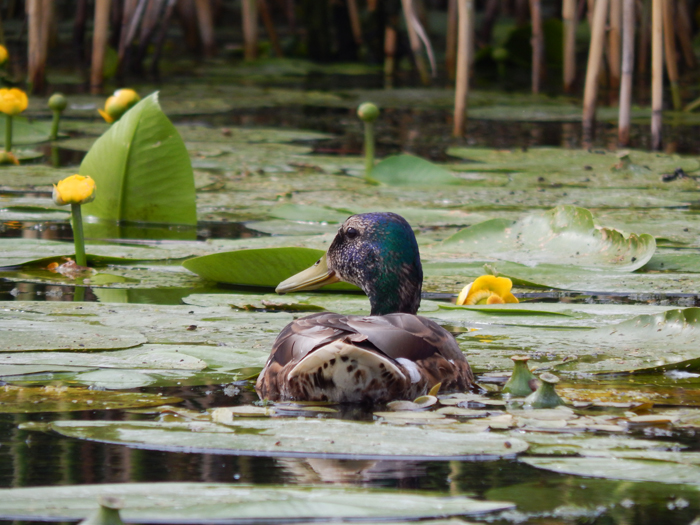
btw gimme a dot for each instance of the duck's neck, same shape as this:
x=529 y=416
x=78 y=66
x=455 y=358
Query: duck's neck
x=397 y=291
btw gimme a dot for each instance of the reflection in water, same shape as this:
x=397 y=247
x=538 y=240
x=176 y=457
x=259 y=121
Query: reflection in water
x=351 y=472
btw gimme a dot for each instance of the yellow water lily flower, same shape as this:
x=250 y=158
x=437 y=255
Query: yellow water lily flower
x=487 y=289
x=118 y=104
x=76 y=189
x=13 y=101
x=4 y=55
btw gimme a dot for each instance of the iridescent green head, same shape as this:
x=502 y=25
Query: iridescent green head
x=377 y=252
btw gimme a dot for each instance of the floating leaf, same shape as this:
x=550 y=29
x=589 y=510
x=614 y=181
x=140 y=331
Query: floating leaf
x=407 y=170
x=26 y=131
x=187 y=503
x=565 y=235
x=620 y=468
x=266 y=267
x=21 y=335
x=31 y=400
x=142 y=170
x=289 y=437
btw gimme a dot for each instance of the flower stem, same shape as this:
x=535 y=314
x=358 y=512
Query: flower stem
x=8 y=133
x=369 y=148
x=54 y=125
x=78 y=237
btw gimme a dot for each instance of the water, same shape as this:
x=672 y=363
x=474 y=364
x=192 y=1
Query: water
x=38 y=459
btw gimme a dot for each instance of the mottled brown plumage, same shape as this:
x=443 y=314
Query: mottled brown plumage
x=391 y=354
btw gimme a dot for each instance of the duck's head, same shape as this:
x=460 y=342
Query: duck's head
x=377 y=252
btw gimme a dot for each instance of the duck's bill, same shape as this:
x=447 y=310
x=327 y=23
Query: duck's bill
x=310 y=279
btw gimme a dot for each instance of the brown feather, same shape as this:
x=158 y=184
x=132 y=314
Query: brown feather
x=401 y=338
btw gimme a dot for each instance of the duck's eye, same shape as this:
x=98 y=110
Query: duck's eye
x=351 y=233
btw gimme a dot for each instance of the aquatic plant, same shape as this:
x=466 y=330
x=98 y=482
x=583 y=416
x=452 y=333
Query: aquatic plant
x=368 y=113
x=522 y=380
x=487 y=289
x=13 y=101
x=57 y=104
x=118 y=104
x=546 y=395
x=76 y=190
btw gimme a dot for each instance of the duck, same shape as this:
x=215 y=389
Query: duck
x=391 y=354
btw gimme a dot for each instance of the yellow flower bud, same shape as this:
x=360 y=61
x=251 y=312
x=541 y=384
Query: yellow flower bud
x=4 y=55
x=8 y=158
x=487 y=289
x=118 y=104
x=13 y=101
x=76 y=189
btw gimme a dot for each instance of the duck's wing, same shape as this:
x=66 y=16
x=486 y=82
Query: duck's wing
x=411 y=354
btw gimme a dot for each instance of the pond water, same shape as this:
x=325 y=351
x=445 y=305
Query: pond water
x=33 y=458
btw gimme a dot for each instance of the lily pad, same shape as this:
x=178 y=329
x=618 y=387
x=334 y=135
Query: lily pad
x=620 y=468
x=577 y=163
x=185 y=503
x=21 y=335
x=408 y=170
x=263 y=267
x=31 y=400
x=25 y=131
x=311 y=437
x=565 y=235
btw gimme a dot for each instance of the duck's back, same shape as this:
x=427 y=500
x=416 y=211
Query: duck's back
x=350 y=358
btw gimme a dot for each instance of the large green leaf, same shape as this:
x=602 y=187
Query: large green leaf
x=265 y=267
x=565 y=235
x=228 y=503
x=142 y=170
x=407 y=170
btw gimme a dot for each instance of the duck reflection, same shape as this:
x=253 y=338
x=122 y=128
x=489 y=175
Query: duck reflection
x=349 y=471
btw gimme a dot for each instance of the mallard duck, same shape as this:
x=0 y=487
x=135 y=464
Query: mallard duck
x=390 y=354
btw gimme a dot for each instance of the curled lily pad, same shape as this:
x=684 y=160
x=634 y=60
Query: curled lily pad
x=565 y=235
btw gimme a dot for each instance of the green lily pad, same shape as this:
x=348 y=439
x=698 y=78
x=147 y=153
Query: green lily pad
x=31 y=400
x=580 y=164
x=637 y=344
x=290 y=437
x=186 y=503
x=263 y=267
x=21 y=335
x=408 y=170
x=565 y=235
x=228 y=135
x=25 y=131
x=620 y=468
x=578 y=500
